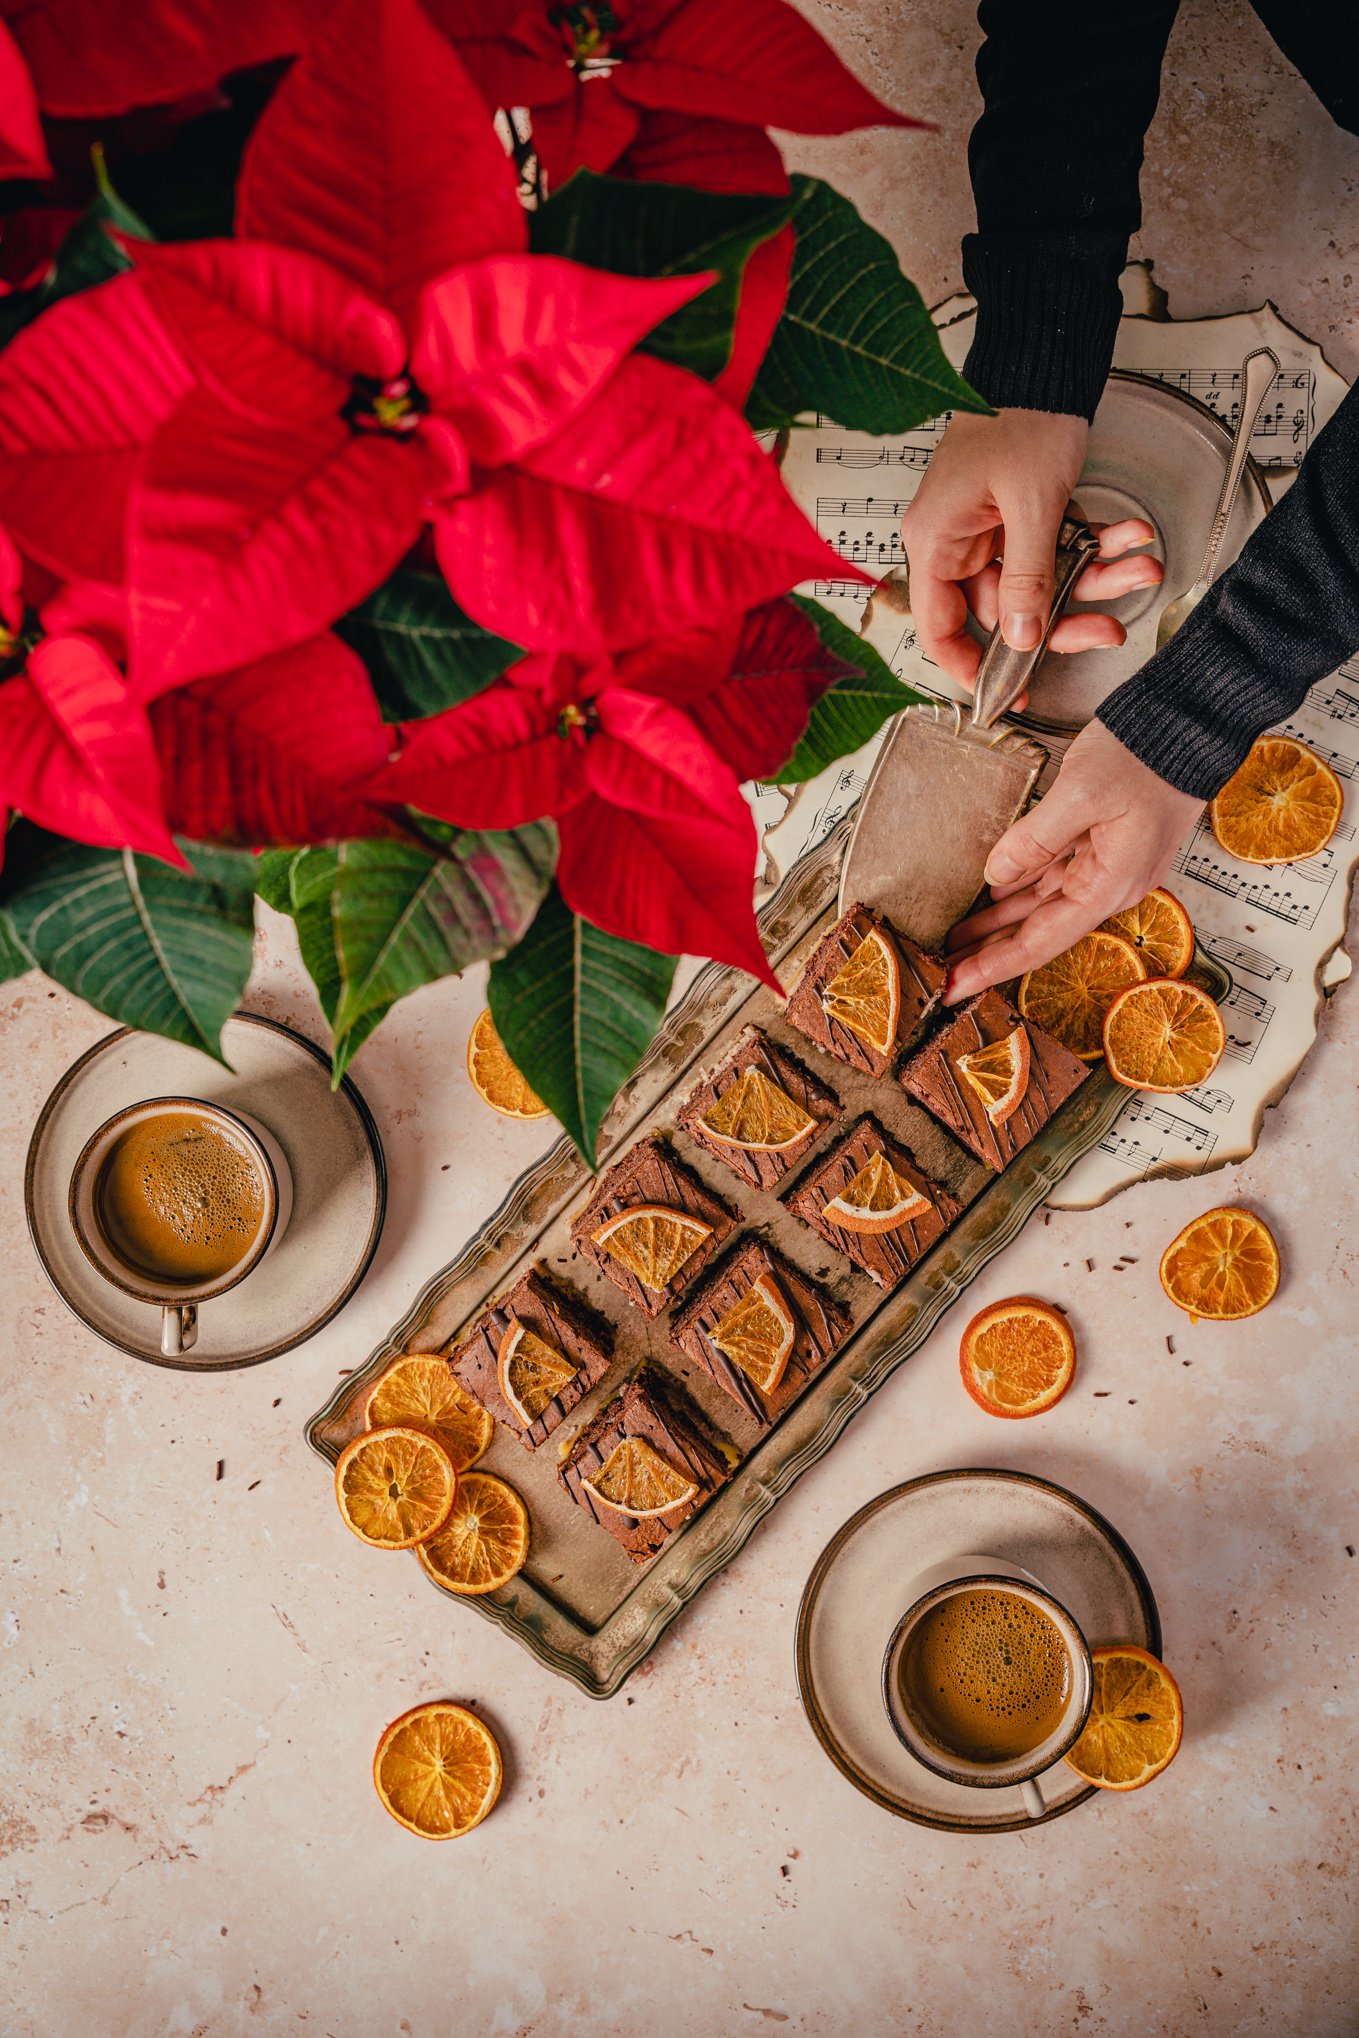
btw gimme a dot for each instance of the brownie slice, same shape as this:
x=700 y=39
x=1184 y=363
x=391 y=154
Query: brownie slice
x=559 y=1316
x=934 y=1079
x=823 y=1324
x=651 y=1173
x=755 y=1050
x=885 y=1256
x=646 y=1408
x=922 y=982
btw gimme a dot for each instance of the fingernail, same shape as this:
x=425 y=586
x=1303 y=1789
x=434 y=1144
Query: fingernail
x=1000 y=869
x=1021 y=633
x=952 y=994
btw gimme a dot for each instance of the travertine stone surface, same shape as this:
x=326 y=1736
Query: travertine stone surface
x=195 y=1671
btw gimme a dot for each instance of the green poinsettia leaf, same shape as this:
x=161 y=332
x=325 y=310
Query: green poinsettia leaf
x=423 y=654
x=15 y=960
x=378 y=919
x=164 y=950
x=855 y=341
x=854 y=709
x=273 y=877
x=635 y=229
x=87 y=256
x=577 y=1010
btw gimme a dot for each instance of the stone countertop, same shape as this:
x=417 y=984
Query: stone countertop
x=196 y=1669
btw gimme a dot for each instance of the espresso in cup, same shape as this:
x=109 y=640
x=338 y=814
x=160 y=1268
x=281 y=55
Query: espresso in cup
x=180 y=1197
x=986 y=1676
x=174 y=1201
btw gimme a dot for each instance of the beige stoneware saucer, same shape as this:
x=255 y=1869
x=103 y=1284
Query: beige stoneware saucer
x=328 y=1138
x=854 y=1598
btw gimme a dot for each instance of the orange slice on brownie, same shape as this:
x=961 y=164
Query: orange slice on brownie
x=530 y=1372
x=636 y=1480
x=999 y=1074
x=758 y=1333
x=757 y=1115
x=876 y=1199
x=865 y=993
x=652 y=1241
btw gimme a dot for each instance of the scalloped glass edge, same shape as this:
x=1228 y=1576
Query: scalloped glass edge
x=600 y=1659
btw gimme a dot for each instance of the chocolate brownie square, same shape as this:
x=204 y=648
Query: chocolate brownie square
x=661 y=1416
x=922 y=983
x=755 y=1050
x=562 y=1319
x=885 y=1256
x=651 y=1173
x=937 y=1078
x=821 y=1325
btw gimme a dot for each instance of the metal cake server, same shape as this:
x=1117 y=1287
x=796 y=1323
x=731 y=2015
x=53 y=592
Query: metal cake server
x=945 y=787
x=1258 y=371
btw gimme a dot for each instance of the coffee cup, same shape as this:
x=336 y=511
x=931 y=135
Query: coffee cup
x=986 y=1678
x=175 y=1200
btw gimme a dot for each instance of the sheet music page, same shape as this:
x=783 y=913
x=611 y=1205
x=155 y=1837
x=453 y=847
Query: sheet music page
x=1275 y=930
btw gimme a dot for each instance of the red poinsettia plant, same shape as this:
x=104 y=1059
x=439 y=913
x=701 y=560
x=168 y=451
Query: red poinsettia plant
x=388 y=522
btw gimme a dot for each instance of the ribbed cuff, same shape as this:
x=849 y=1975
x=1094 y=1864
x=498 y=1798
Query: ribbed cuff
x=1046 y=325
x=1194 y=709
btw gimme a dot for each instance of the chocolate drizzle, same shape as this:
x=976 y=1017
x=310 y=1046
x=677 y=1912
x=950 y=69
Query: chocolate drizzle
x=932 y=1078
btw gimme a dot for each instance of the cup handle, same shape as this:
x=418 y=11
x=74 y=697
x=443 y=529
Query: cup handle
x=1033 y=1798
x=178 y=1328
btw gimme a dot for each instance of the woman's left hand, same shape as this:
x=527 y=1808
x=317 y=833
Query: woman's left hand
x=1099 y=841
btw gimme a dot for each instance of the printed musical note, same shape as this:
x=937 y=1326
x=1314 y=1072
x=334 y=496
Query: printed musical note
x=1240 y=955
x=1283 y=430
x=1211 y=1101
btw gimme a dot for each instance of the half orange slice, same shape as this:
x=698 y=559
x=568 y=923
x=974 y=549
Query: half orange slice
x=652 y=1241
x=877 y=1199
x=494 y=1076
x=758 y=1333
x=530 y=1372
x=999 y=1074
x=636 y=1480
x=757 y=1115
x=865 y=993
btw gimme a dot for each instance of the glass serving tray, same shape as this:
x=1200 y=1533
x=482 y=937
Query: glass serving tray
x=580 y=1605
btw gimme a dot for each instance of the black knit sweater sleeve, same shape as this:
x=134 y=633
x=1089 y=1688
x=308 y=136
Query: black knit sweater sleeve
x=1283 y=615
x=1069 y=91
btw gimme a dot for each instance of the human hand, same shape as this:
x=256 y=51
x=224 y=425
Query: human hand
x=1099 y=841
x=981 y=534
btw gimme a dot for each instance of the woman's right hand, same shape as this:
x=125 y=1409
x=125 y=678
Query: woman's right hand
x=981 y=535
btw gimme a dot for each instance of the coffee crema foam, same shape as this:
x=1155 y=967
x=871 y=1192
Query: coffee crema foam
x=179 y=1198
x=986 y=1675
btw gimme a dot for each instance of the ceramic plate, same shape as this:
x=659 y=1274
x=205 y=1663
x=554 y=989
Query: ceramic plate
x=854 y=1599
x=332 y=1149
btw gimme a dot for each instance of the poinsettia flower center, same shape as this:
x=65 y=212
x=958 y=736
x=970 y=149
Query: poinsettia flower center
x=395 y=406
x=587 y=30
x=17 y=643
x=576 y=724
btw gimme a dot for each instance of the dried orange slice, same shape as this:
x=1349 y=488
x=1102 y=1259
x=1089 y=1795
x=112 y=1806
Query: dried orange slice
x=1283 y=804
x=531 y=1372
x=395 y=1486
x=756 y=1114
x=438 y=1770
x=1069 y=996
x=865 y=993
x=1223 y=1266
x=652 y=1241
x=1017 y=1357
x=758 y=1333
x=494 y=1076
x=1135 y=1723
x=999 y=1073
x=1159 y=929
x=876 y=1200
x=419 y=1392
x=636 y=1480
x=484 y=1541
x=1163 y=1036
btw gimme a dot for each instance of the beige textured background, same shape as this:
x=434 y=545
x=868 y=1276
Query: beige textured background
x=194 y=1673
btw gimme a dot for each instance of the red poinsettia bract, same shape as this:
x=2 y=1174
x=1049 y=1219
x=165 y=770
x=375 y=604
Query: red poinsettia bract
x=638 y=758
x=76 y=753
x=592 y=72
